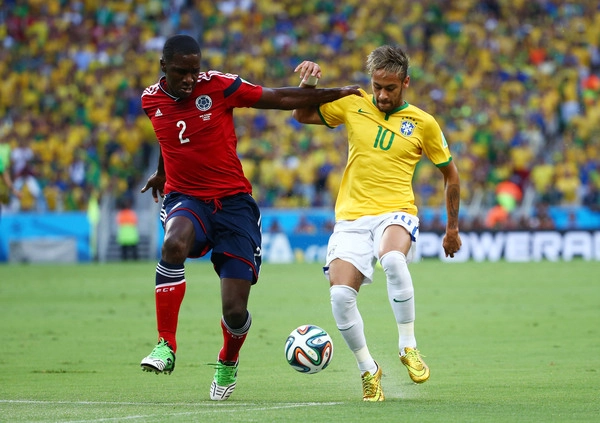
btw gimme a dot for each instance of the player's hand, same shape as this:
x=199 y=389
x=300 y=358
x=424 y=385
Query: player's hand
x=308 y=69
x=157 y=183
x=352 y=90
x=451 y=242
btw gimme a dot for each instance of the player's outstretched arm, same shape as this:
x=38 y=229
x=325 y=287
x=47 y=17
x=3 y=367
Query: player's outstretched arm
x=289 y=98
x=451 y=242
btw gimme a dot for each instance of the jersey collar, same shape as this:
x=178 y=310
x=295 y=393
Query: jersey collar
x=396 y=110
x=162 y=83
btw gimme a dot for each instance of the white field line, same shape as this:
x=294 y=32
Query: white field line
x=229 y=407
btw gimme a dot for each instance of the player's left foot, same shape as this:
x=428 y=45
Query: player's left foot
x=371 y=384
x=417 y=369
x=224 y=381
x=160 y=360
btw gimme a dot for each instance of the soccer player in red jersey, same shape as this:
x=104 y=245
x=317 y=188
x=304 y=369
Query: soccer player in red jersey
x=207 y=199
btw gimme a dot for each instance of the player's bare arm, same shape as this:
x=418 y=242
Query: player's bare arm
x=157 y=180
x=451 y=242
x=289 y=98
x=308 y=115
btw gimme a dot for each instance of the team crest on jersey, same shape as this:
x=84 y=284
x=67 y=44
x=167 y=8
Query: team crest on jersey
x=203 y=103
x=407 y=128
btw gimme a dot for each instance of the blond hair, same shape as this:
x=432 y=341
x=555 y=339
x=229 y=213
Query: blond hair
x=389 y=58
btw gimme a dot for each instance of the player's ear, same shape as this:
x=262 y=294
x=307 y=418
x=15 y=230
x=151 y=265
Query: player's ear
x=406 y=81
x=163 y=65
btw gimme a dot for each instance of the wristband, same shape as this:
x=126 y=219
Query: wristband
x=312 y=81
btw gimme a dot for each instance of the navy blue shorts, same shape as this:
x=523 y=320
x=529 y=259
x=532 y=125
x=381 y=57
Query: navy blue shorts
x=230 y=227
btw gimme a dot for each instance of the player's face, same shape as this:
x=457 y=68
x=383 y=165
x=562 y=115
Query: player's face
x=388 y=89
x=181 y=74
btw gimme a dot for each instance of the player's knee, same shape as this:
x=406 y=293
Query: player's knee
x=174 y=249
x=395 y=266
x=343 y=300
x=342 y=296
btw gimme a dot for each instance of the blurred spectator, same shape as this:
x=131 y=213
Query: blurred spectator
x=127 y=231
x=497 y=218
x=275 y=227
x=572 y=220
x=592 y=198
x=568 y=184
x=550 y=194
x=508 y=195
x=6 y=185
x=305 y=226
x=25 y=182
x=541 y=219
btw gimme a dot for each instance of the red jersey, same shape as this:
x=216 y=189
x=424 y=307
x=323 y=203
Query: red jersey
x=197 y=134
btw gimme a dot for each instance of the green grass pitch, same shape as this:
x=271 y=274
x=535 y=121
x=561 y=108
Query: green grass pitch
x=506 y=342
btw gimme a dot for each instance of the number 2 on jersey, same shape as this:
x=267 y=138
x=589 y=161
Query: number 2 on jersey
x=181 y=124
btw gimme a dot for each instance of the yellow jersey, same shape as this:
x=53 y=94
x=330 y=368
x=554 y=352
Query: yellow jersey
x=383 y=151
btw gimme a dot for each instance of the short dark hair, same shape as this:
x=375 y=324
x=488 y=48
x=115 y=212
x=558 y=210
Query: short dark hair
x=179 y=44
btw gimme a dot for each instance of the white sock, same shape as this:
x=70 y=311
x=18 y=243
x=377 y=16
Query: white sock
x=401 y=295
x=407 y=336
x=350 y=324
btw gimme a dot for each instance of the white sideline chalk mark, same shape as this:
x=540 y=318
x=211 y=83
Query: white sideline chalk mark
x=202 y=404
x=217 y=407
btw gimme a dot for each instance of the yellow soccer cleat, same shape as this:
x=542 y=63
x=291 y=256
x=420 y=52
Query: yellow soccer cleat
x=417 y=369
x=372 y=386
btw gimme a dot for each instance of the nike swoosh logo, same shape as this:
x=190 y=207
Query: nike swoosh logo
x=362 y=111
x=417 y=373
x=402 y=301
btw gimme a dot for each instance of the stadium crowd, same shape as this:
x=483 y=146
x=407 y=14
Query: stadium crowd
x=515 y=84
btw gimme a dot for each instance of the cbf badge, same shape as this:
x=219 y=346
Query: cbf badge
x=407 y=128
x=203 y=103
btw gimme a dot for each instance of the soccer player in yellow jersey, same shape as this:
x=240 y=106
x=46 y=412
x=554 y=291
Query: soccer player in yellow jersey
x=375 y=212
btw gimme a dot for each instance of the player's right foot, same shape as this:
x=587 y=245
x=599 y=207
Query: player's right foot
x=417 y=369
x=371 y=385
x=160 y=360
x=224 y=381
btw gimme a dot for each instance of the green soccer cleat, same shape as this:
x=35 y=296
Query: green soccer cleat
x=224 y=381
x=160 y=360
x=371 y=385
x=417 y=369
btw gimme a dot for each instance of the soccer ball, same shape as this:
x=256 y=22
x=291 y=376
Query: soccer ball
x=308 y=349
